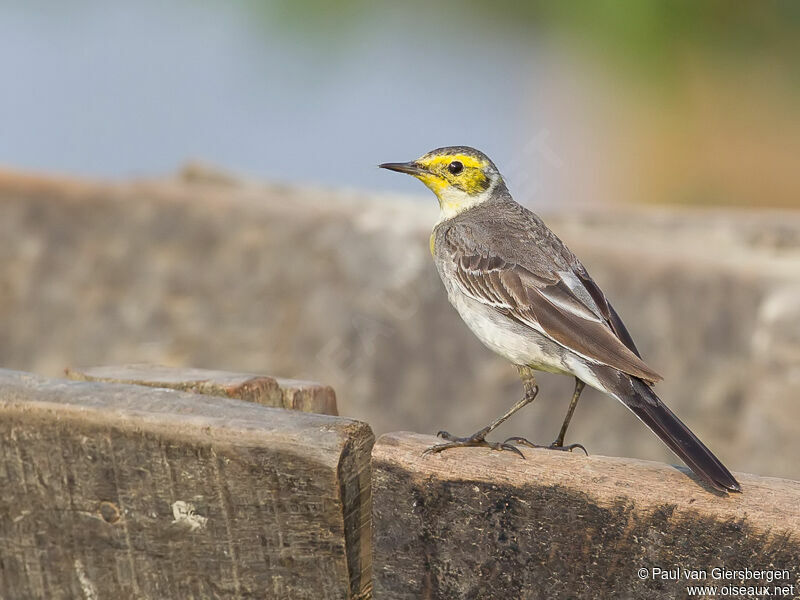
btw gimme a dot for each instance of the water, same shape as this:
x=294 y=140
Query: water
x=119 y=89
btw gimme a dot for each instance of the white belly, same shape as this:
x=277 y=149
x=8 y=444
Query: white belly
x=520 y=344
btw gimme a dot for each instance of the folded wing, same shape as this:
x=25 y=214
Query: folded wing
x=566 y=306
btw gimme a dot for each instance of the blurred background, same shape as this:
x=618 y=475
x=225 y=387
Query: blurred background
x=697 y=102
x=195 y=183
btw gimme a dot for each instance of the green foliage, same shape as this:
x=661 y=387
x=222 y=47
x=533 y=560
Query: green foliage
x=648 y=36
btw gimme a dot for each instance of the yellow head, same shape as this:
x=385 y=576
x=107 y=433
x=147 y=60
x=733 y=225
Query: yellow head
x=461 y=177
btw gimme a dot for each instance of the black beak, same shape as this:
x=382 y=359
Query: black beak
x=410 y=168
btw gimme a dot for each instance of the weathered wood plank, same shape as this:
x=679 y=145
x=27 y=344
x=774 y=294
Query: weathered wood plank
x=112 y=490
x=307 y=396
x=474 y=523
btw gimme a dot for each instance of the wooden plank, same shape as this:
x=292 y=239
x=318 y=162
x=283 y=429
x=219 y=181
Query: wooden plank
x=112 y=490
x=307 y=396
x=475 y=523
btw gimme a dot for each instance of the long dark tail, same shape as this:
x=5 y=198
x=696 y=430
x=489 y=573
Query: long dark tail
x=644 y=403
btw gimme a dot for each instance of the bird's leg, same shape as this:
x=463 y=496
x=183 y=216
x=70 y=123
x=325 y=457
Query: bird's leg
x=579 y=385
x=559 y=443
x=479 y=437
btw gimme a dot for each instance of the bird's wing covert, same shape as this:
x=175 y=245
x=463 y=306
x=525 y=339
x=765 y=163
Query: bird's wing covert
x=559 y=305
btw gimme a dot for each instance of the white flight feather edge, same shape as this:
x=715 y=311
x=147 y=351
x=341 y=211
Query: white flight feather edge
x=533 y=324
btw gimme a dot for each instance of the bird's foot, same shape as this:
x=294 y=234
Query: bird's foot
x=476 y=439
x=554 y=446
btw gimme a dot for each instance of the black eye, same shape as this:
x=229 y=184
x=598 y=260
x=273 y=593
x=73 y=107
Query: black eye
x=455 y=167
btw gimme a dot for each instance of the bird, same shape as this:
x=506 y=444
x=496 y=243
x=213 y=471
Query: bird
x=528 y=298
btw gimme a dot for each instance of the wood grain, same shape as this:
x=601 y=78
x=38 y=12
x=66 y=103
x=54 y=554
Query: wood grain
x=307 y=396
x=475 y=523
x=123 y=491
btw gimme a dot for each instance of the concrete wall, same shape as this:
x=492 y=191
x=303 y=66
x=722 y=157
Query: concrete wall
x=208 y=271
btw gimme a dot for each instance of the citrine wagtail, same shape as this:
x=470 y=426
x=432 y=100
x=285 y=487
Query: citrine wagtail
x=527 y=297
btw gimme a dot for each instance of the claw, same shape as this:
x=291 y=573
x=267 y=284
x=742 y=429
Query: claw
x=521 y=440
x=571 y=447
x=476 y=439
x=553 y=446
x=431 y=450
x=512 y=448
